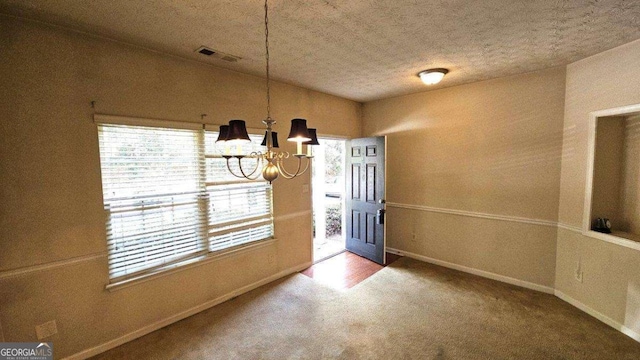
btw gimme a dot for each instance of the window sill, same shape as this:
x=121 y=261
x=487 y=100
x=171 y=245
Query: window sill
x=617 y=238
x=188 y=264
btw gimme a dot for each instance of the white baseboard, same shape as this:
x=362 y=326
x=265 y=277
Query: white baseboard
x=182 y=315
x=486 y=274
x=598 y=315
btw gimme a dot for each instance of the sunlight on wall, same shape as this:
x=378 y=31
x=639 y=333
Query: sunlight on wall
x=405 y=126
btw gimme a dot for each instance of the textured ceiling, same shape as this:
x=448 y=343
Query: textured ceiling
x=359 y=49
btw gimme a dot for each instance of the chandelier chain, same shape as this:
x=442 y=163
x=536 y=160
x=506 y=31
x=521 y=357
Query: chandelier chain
x=273 y=160
x=266 y=45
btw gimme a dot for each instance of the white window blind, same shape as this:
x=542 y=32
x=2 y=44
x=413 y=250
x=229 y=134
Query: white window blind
x=240 y=210
x=153 y=197
x=166 y=204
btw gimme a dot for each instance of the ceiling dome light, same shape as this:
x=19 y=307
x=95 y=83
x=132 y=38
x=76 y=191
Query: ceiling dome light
x=432 y=76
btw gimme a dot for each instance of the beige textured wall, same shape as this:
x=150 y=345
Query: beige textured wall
x=491 y=147
x=611 y=273
x=51 y=198
x=630 y=195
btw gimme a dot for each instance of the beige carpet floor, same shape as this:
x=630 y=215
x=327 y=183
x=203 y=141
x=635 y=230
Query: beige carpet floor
x=409 y=310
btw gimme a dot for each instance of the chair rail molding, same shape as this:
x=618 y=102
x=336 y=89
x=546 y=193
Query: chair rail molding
x=50 y=265
x=475 y=214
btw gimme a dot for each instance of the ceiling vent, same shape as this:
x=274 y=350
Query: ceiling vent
x=206 y=51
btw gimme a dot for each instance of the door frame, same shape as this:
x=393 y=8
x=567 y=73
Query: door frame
x=343 y=220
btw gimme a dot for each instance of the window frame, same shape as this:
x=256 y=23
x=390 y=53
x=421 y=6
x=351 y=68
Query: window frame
x=205 y=255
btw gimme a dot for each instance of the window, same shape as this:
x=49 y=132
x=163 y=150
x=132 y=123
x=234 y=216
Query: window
x=239 y=209
x=169 y=197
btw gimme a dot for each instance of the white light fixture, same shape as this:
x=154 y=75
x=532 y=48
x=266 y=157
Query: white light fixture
x=269 y=164
x=432 y=76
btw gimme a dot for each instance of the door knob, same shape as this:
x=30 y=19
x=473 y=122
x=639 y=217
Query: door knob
x=382 y=201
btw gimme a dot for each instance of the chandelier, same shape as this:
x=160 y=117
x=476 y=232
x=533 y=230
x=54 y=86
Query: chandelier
x=269 y=164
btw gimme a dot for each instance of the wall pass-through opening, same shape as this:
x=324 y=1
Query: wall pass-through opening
x=612 y=188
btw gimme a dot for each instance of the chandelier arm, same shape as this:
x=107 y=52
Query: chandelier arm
x=283 y=171
x=305 y=167
x=280 y=164
x=258 y=162
x=288 y=175
x=258 y=156
x=231 y=171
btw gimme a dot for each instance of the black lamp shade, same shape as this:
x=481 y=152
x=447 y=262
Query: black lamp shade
x=274 y=139
x=224 y=133
x=299 y=131
x=314 y=138
x=238 y=130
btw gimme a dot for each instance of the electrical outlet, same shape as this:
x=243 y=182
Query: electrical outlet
x=413 y=237
x=578 y=274
x=305 y=188
x=47 y=329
